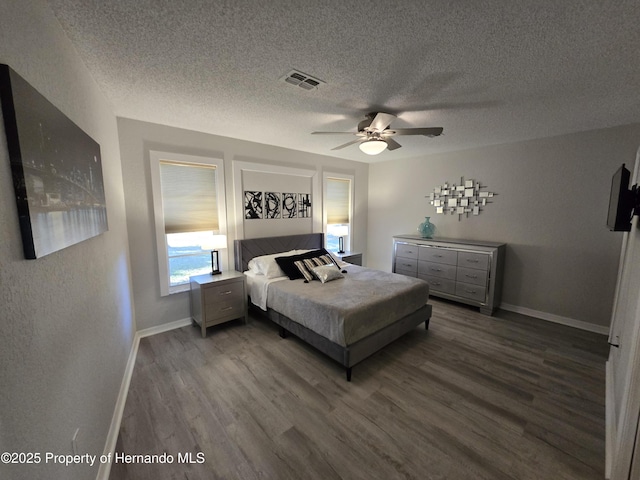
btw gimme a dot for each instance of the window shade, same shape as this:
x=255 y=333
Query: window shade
x=188 y=197
x=337 y=200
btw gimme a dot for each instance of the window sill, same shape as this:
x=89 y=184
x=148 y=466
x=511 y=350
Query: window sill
x=185 y=287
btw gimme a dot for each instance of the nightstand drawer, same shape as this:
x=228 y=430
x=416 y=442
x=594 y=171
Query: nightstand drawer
x=223 y=293
x=223 y=310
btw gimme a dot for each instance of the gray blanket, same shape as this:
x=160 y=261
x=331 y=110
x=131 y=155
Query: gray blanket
x=348 y=309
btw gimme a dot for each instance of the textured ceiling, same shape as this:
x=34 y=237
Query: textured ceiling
x=489 y=72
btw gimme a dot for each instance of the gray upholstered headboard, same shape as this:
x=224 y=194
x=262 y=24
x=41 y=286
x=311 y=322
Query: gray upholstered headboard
x=245 y=250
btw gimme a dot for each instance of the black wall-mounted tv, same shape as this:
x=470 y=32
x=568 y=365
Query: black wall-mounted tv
x=621 y=202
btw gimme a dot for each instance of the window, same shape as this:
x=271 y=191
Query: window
x=338 y=208
x=188 y=194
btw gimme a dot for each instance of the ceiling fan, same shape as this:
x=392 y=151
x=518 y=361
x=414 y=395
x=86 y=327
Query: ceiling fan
x=375 y=134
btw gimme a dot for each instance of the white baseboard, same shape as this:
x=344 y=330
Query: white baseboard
x=114 y=428
x=164 y=328
x=550 y=317
x=116 y=420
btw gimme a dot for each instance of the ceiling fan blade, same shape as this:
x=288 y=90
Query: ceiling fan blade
x=358 y=140
x=357 y=134
x=392 y=144
x=381 y=121
x=334 y=133
x=427 y=132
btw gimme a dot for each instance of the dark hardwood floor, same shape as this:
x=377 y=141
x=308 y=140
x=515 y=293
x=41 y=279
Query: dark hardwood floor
x=474 y=397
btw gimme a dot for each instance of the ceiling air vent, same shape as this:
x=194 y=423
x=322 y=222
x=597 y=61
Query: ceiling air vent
x=302 y=80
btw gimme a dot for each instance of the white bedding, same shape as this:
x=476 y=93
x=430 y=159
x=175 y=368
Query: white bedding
x=258 y=286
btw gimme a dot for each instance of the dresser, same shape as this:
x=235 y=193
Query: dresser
x=466 y=271
x=217 y=299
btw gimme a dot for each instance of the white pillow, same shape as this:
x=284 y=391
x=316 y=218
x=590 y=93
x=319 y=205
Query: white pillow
x=266 y=264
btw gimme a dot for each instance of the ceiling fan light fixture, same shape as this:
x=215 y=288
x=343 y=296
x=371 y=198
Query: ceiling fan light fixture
x=373 y=147
x=376 y=136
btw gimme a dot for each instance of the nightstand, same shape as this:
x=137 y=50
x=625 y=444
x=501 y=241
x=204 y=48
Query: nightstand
x=349 y=257
x=217 y=299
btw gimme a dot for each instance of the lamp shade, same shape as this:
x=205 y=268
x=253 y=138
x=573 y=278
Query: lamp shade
x=340 y=230
x=215 y=242
x=373 y=147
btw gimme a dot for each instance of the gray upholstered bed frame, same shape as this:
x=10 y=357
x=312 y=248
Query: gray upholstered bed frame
x=350 y=355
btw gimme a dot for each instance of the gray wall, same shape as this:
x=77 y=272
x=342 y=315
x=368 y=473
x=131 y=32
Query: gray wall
x=138 y=138
x=66 y=321
x=550 y=210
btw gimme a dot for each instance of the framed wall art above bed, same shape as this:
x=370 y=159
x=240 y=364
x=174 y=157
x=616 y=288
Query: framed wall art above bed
x=272 y=199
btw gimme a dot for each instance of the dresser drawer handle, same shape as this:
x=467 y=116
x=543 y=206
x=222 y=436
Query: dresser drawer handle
x=472 y=261
x=471 y=276
x=228 y=292
x=226 y=309
x=470 y=291
x=436 y=269
x=438 y=256
x=436 y=283
x=409 y=251
x=407 y=264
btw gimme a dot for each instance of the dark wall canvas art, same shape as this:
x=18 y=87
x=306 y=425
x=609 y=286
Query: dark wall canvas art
x=289 y=205
x=271 y=205
x=304 y=205
x=56 y=168
x=252 y=205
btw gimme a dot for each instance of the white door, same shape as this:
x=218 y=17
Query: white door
x=623 y=366
x=635 y=467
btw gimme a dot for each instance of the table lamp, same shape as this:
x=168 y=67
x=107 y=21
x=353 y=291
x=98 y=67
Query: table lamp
x=215 y=243
x=340 y=232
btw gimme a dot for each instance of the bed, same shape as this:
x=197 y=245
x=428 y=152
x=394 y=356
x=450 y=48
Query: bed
x=348 y=319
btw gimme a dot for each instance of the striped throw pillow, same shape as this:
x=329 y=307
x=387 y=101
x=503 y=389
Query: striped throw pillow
x=306 y=265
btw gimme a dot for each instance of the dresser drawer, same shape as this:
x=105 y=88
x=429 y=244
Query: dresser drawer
x=215 y=294
x=473 y=292
x=437 y=284
x=407 y=265
x=437 y=270
x=438 y=255
x=407 y=273
x=407 y=251
x=469 y=275
x=479 y=261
